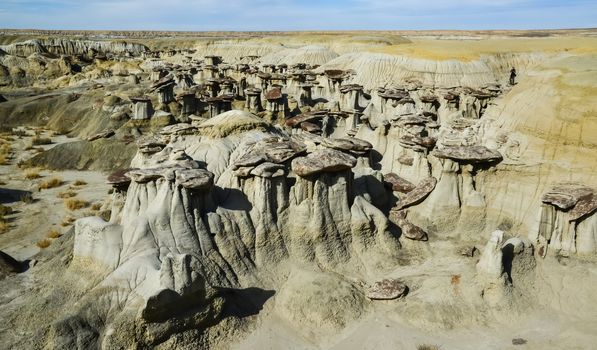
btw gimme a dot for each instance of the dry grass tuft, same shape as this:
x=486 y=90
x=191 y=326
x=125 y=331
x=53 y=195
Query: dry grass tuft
x=79 y=183
x=75 y=204
x=67 y=221
x=67 y=194
x=428 y=347
x=19 y=133
x=96 y=206
x=51 y=183
x=5 y=152
x=3 y=226
x=53 y=233
x=27 y=198
x=455 y=280
x=5 y=210
x=44 y=243
x=31 y=174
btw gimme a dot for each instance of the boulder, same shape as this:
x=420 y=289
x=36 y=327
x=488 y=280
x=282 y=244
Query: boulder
x=119 y=178
x=310 y=127
x=583 y=208
x=409 y=230
x=468 y=154
x=566 y=195
x=387 y=289
x=325 y=160
x=8 y=265
x=178 y=129
x=195 y=179
x=418 y=194
x=269 y=169
x=397 y=183
x=101 y=135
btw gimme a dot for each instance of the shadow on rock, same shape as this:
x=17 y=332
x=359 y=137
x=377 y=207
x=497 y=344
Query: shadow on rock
x=244 y=302
x=8 y=195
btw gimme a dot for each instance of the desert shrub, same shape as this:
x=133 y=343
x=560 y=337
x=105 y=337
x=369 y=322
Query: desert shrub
x=75 y=204
x=44 y=243
x=5 y=210
x=5 y=153
x=96 y=206
x=31 y=174
x=3 y=225
x=38 y=140
x=428 y=347
x=67 y=221
x=79 y=183
x=67 y=194
x=53 y=233
x=19 y=133
x=27 y=198
x=51 y=183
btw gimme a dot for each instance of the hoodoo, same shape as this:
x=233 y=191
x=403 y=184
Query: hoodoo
x=308 y=190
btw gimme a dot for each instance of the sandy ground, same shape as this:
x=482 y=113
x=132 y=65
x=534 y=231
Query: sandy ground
x=31 y=222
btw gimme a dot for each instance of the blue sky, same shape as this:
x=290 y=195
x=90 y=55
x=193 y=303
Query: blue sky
x=297 y=14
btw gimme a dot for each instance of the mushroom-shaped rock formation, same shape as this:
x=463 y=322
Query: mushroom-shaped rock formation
x=565 y=196
x=468 y=154
x=188 y=102
x=253 y=100
x=568 y=222
x=219 y=104
x=275 y=100
x=325 y=160
x=142 y=107
x=165 y=89
x=387 y=289
x=269 y=150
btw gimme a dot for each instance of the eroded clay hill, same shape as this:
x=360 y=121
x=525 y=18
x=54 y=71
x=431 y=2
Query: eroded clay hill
x=320 y=194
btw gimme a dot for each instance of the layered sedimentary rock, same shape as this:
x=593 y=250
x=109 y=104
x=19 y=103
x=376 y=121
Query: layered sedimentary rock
x=324 y=184
x=71 y=47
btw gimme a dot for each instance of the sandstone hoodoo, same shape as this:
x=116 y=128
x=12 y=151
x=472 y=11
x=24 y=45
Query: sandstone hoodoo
x=164 y=89
x=142 y=107
x=188 y=103
x=219 y=190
